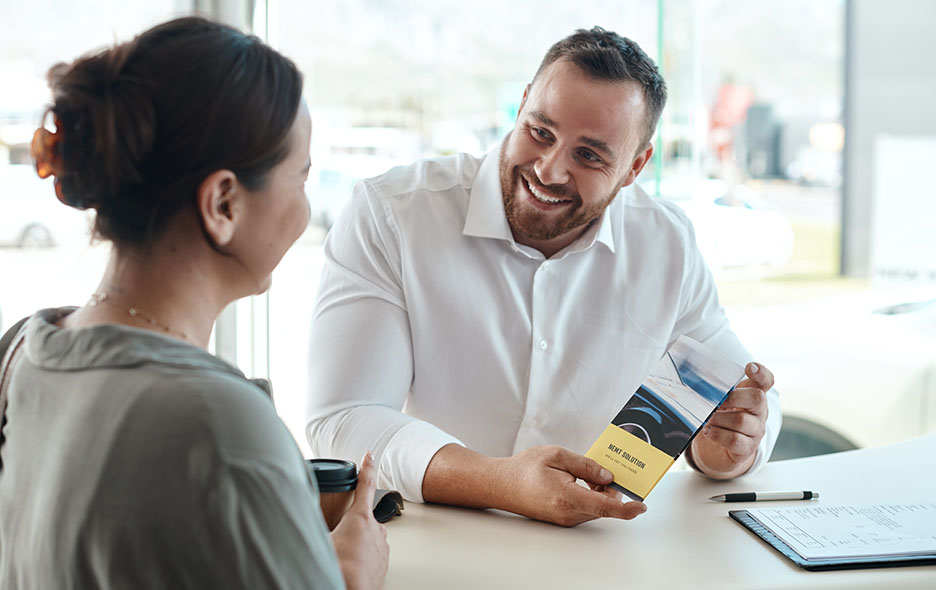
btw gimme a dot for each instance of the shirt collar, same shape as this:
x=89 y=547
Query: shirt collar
x=486 y=218
x=605 y=233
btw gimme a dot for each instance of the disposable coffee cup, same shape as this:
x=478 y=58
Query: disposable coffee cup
x=336 y=480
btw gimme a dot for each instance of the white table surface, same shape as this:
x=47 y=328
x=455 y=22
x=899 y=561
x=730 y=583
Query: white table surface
x=682 y=541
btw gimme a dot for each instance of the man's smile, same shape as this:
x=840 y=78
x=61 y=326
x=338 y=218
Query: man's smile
x=543 y=197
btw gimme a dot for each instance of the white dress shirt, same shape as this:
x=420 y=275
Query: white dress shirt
x=433 y=326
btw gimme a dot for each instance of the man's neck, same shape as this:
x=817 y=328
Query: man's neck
x=549 y=248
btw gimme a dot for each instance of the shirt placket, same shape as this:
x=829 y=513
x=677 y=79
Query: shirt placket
x=542 y=357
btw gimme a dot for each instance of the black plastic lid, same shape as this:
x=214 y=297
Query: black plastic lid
x=333 y=475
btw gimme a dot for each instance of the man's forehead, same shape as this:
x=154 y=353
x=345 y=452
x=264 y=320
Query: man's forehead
x=599 y=113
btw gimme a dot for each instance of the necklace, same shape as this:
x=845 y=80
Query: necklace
x=136 y=312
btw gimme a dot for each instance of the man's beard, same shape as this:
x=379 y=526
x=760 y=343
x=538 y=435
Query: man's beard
x=528 y=222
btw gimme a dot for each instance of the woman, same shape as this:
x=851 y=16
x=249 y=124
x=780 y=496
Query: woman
x=132 y=457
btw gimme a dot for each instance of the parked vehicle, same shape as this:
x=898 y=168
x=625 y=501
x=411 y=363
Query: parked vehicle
x=343 y=155
x=734 y=226
x=30 y=214
x=328 y=194
x=859 y=368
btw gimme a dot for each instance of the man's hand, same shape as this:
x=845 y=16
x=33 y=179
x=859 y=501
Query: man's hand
x=727 y=446
x=538 y=483
x=361 y=541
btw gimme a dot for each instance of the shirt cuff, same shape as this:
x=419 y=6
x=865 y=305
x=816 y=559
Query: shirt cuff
x=404 y=461
x=771 y=431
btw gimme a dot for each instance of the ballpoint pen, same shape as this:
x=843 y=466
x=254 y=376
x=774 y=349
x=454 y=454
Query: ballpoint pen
x=764 y=496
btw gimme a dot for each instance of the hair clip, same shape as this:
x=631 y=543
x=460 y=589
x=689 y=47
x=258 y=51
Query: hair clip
x=44 y=150
x=46 y=153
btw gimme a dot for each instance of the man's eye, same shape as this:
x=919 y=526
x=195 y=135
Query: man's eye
x=589 y=156
x=541 y=133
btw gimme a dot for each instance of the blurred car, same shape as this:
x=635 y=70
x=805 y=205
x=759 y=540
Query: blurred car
x=343 y=155
x=30 y=214
x=734 y=226
x=328 y=194
x=859 y=368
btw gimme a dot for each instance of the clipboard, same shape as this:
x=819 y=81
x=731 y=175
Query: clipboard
x=743 y=518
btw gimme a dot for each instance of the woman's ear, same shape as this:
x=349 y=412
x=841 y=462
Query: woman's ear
x=217 y=206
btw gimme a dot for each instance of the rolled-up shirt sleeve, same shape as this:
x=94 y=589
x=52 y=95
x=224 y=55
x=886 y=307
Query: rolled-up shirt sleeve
x=702 y=318
x=361 y=352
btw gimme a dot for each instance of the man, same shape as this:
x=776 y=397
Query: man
x=480 y=320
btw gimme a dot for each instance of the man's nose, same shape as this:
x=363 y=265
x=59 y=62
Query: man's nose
x=551 y=167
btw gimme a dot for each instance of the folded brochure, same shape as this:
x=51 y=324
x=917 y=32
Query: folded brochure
x=661 y=418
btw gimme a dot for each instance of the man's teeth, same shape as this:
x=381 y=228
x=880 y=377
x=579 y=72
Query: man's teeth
x=544 y=197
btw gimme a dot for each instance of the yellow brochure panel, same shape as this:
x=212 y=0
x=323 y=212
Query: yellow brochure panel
x=637 y=466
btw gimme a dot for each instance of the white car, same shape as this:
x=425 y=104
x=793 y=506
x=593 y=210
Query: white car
x=328 y=193
x=343 y=155
x=734 y=226
x=861 y=367
x=30 y=214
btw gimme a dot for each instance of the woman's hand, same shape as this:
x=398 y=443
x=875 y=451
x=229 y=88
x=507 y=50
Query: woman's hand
x=361 y=541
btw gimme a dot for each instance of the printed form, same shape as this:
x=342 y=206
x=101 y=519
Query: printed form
x=875 y=530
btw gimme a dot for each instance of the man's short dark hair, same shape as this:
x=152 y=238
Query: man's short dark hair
x=605 y=55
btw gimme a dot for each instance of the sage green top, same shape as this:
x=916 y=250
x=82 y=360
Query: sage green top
x=133 y=460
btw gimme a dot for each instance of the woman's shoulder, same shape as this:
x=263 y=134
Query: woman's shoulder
x=160 y=390
x=232 y=412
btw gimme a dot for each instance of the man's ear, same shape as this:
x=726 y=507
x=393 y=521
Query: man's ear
x=637 y=165
x=217 y=199
x=526 y=93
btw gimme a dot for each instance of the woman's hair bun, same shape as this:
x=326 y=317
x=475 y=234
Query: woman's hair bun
x=144 y=122
x=107 y=118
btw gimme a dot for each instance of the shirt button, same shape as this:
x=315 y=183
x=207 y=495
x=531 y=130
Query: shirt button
x=543 y=344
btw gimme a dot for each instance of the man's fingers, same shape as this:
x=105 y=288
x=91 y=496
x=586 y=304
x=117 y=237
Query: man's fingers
x=582 y=467
x=746 y=398
x=366 y=485
x=607 y=490
x=612 y=492
x=734 y=442
x=600 y=505
x=738 y=421
x=757 y=376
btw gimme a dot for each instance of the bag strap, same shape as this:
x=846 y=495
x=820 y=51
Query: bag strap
x=10 y=346
x=8 y=339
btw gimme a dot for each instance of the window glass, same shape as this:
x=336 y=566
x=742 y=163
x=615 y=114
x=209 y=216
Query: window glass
x=750 y=146
x=389 y=82
x=45 y=256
